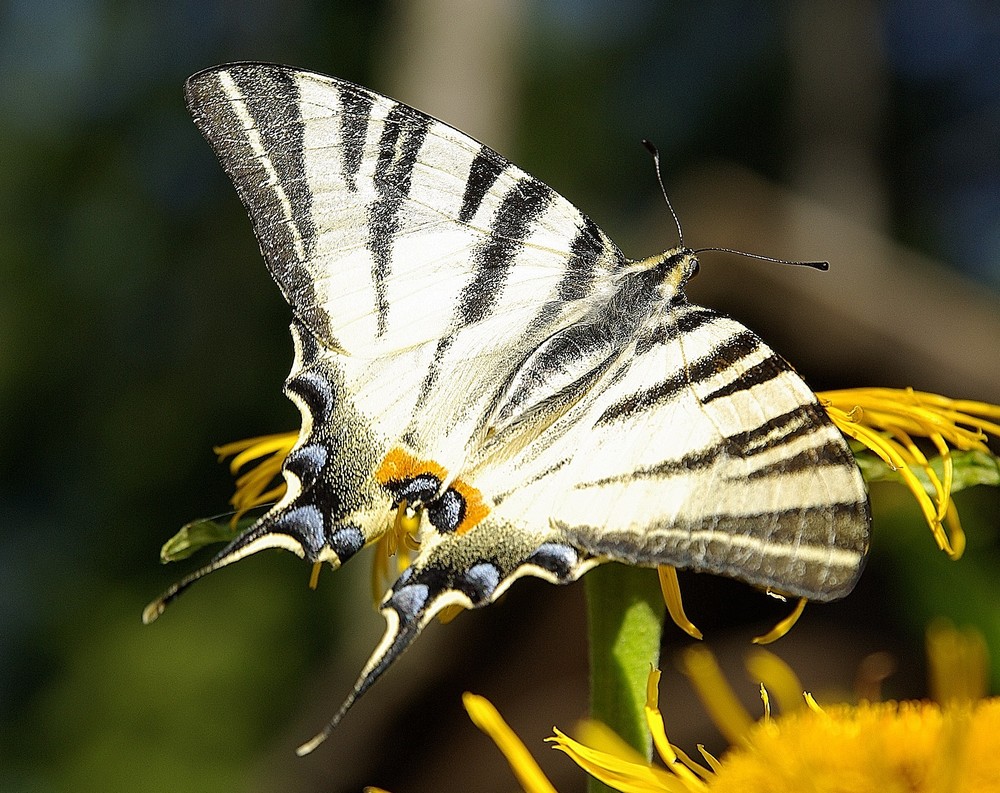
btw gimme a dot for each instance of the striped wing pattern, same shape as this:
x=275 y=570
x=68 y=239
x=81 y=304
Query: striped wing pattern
x=709 y=452
x=395 y=239
x=472 y=351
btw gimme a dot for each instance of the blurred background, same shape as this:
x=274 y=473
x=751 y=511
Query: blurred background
x=138 y=327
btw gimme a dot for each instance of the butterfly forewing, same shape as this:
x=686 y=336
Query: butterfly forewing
x=471 y=348
x=429 y=260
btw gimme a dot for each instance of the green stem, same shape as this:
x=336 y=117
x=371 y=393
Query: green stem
x=625 y=614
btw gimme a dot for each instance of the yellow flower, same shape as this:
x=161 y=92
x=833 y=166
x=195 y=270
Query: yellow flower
x=886 y=746
x=887 y=420
x=889 y=747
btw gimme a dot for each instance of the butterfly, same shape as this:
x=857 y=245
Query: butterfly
x=476 y=359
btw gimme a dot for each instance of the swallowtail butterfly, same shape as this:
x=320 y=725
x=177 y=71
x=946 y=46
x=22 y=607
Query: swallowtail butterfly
x=474 y=355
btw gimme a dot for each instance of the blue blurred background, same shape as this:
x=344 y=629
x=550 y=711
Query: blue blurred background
x=138 y=327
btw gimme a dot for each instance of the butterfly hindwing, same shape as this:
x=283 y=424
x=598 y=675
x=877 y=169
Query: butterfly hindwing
x=474 y=355
x=467 y=571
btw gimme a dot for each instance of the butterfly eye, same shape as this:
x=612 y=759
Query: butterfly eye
x=695 y=268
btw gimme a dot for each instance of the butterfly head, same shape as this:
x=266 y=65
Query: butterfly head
x=671 y=269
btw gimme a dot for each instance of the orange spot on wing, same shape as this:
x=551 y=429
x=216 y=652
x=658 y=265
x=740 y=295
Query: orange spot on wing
x=399 y=465
x=475 y=507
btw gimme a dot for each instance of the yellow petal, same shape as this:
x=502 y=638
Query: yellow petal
x=777 y=677
x=488 y=719
x=784 y=626
x=688 y=772
x=716 y=694
x=958 y=663
x=253 y=487
x=671 y=589
x=624 y=774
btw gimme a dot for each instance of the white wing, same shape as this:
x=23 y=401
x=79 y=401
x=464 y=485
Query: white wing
x=703 y=449
x=429 y=262
x=468 y=343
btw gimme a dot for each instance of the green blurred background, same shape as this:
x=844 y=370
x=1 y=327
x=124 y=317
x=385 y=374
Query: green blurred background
x=138 y=327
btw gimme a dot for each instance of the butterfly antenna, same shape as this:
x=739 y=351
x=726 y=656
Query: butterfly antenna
x=651 y=148
x=815 y=265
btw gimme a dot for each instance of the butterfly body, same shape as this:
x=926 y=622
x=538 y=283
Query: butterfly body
x=476 y=359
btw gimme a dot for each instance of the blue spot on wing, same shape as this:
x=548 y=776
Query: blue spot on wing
x=410 y=600
x=480 y=580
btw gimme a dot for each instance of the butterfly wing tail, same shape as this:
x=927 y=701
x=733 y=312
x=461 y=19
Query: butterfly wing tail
x=292 y=529
x=407 y=609
x=155 y=608
x=469 y=570
x=400 y=632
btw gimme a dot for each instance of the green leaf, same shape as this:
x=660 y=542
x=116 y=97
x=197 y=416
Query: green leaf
x=197 y=534
x=970 y=468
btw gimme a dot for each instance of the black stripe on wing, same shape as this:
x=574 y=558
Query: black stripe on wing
x=499 y=497
x=519 y=211
x=272 y=186
x=354 y=117
x=402 y=136
x=828 y=453
x=272 y=99
x=486 y=168
x=587 y=248
x=591 y=256
x=758 y=374
x=772 y=434
x=781 y=429
x=721 y=358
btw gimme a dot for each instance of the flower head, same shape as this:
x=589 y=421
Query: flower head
x=889 y=420
x=885 y=746
x=933 y=746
